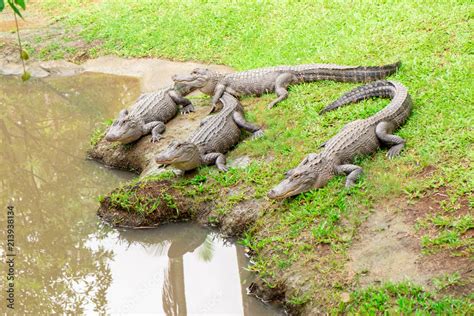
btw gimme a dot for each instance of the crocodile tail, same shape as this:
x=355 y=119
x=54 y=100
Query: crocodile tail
x=381 y=88
x=350 y=74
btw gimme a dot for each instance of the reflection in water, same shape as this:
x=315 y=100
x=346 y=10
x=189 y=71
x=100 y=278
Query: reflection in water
x=187 y=268
x=67 y=263
x=44 y=130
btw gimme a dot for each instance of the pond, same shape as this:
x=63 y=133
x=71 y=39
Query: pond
x=67 y=261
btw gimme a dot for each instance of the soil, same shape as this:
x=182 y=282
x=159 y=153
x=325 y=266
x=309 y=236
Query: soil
x=389 y=250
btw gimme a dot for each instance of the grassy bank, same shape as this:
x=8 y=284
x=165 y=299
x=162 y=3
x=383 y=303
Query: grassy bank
x=313 y=232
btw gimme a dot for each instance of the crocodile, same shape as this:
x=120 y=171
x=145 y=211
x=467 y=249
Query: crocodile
x=149 y=114
x=356 y=138
x=277 y=79
x=215 y=136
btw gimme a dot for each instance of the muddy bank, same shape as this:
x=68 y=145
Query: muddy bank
x=151 y=202
x=386 y=249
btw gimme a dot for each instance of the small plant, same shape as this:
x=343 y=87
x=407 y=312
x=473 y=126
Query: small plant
x=16 y=5
x=447 y=280
x=449 y=233
x=299 y=299
x=170 y=202
x=100 y=131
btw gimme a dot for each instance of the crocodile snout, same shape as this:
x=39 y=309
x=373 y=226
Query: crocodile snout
x=182 y=78
x=271 y=194
x=110 y=137
x=276 y=195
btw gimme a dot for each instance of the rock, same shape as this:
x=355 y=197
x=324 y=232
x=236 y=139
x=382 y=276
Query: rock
x=12 y=69
x=240 y=162
x=9 y=69
x=240 y=217
x=36 y=71
x=154 y=73
x=61 y=68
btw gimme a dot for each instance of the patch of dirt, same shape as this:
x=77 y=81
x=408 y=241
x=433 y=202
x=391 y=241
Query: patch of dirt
x=427 y=171
x=432 y=204
x=389 y=249
x=240 y=217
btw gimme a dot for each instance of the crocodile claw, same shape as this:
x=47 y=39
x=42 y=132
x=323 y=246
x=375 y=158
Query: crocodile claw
x=223 y=168
x=155 y=138
x=394 y=151
x=257 y=134
x=187 y=110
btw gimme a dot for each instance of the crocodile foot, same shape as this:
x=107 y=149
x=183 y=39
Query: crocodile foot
x=394 y=151
x=155 y=138
x=187 y=110
x=223 y=168
x=258 y=134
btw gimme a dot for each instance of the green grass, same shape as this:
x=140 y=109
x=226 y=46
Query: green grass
x=128 y=198
x=99 y=132
x=404 y=299
x=434 y=42
x=130 y=201
x=448 y=232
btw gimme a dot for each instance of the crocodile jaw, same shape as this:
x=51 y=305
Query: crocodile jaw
x=288 y=188
x=184 y=156
x=123 y=134
x=313 y=175
x=190 y=81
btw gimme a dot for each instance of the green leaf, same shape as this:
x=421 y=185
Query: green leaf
x=24 y=55
x=2 y=5
x=14 y=8
x=21 y=3
x=26 y=76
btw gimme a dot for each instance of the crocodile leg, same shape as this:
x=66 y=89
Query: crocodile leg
x=156 y=128
x=187 y=106
x=352 y=171
x=217 y=158
x=239 y=119
x=383 y=131
x=281 y=87
x=218 y=92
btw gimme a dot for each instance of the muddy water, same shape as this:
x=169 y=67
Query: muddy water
x=65 y=260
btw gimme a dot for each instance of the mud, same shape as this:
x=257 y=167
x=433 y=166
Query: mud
x=175 y=204
x=389 y=250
